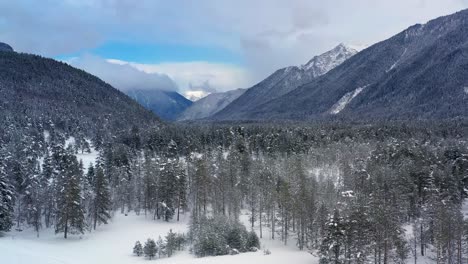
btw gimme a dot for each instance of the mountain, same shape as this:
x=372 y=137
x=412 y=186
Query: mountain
x=5 y=47
x=420 y=73
x=210 y=105
x=283 y=81
x=166 y=104
x=48 y=94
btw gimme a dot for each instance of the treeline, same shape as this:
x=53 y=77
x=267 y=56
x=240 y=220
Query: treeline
x=350 y=193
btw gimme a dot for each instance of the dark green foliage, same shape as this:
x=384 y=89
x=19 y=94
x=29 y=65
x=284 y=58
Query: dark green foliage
x=101 y=203
x=332 y=246
x=171 y=243
x=218 y=235
x=150 y=249
x=252 y=241
x=138 y=249
x=38 y=90
x=6 y=204
x=237 y=238
x=70 y=211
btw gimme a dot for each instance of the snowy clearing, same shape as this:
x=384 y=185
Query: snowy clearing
x=113 y=243
x=345 y=100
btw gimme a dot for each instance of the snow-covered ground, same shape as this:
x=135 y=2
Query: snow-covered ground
x=113 y=243
x=88 y=159
x=345 y=100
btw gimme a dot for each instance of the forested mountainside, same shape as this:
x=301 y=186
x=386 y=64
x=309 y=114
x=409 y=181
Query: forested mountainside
x=419 y=73
x=283 y=81
x=168 y=105
x=210 y=105
x=40 y=94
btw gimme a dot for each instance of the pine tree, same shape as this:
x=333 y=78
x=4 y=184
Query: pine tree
x=101 y=203
x=48 y=183
x=70 y=212
x=150 y=248
x=6 y=203
x=331 y=250
x=181 y=190
x=171 y=243
x=252 y=241
x=138 y=249
x=168 y=190
x=162 y=247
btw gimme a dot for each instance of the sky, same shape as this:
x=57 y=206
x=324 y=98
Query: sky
x=204 y=45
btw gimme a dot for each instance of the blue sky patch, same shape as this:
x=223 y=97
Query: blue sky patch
x=159 y=53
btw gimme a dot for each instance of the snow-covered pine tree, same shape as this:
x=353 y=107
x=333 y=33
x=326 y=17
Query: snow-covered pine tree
x=201 y=184
x=331 y=250
x=6 y=201
x=138 y=249
x=35 y=194
x=171 y=243
x=101 y=204
x=168 y=182
x=70 y=211
x=150 y=248
x=252 y=241
x=162 y=247
x=149 y=182
x=48 y=182
x=181 y=190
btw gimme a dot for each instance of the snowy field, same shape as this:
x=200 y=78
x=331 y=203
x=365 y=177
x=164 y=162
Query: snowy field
x=113 y=243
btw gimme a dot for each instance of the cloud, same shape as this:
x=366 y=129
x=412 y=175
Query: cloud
x=123 y=76
x=198 y=75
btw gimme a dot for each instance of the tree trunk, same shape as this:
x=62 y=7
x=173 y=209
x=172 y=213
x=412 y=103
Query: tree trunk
x=273 y=224
x=178 y=208
x=286 y=229
x=66 y=228
x=260 y=219
x=422 y=240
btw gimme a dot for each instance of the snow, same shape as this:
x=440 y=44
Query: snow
x=70 y=141
x=329 y=60
x=113 y=243
x=429 y=258
x=397 y=61
x=195 y=95
x=88 y=159
x=46 y=136
x=345 y=100
x=464 y=209
x=210 y=105
x=465 y=89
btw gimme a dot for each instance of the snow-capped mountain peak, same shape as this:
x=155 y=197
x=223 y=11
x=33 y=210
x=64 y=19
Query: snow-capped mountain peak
x=284 y=81
x=323 y=63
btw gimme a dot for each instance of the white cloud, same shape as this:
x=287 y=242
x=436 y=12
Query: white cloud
x=198 y=75
x=123 y=76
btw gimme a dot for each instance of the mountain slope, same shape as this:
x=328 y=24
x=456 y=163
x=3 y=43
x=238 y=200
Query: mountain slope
x=283 y=81
x=37 y=91
x=5 y=47
x=419 y=73
x=210 y=105
x=166 y=104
